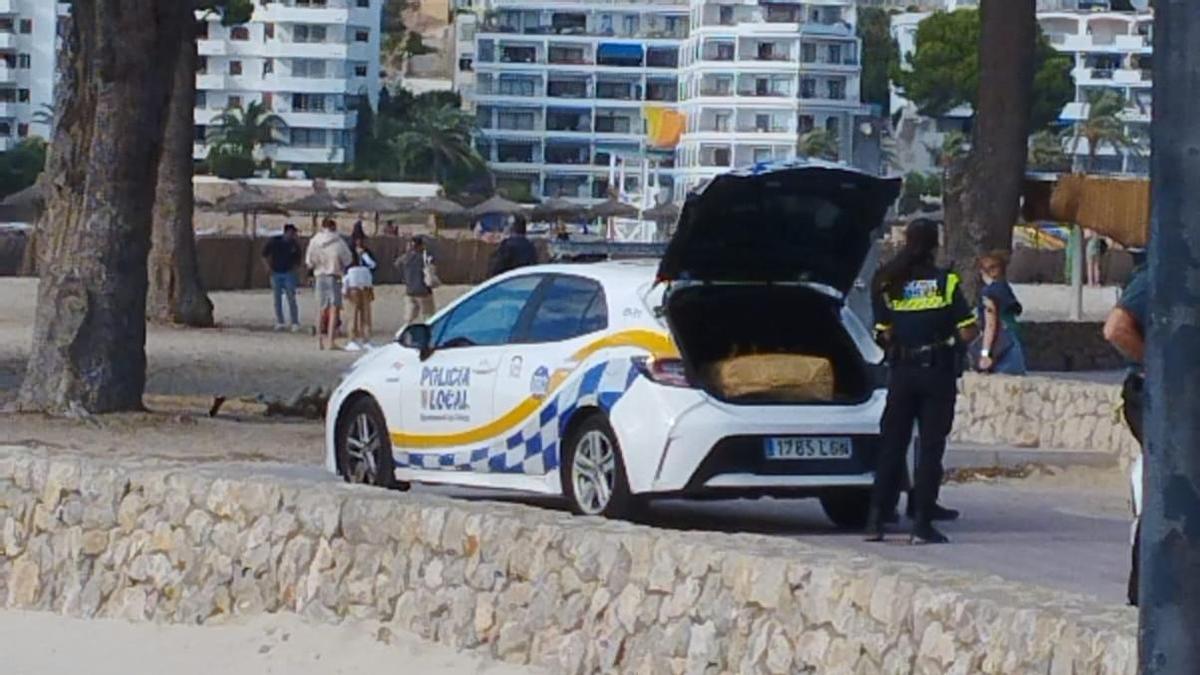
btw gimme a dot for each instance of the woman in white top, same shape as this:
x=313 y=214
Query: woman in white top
x=360 y=291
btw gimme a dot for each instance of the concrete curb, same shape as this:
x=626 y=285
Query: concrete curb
x=980 y=456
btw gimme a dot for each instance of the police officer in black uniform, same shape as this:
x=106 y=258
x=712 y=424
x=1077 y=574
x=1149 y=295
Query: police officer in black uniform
x=921 y=316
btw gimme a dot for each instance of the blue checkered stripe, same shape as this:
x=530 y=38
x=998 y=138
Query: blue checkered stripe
x=534 y=449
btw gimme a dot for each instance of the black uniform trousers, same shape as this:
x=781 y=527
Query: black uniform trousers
x=924 y=394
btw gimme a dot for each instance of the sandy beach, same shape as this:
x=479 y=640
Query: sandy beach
x=37 y=643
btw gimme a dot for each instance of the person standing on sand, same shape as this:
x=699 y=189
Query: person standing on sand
x=328 y=257
x=282 y=256
x=360 y=290
x=419 y=275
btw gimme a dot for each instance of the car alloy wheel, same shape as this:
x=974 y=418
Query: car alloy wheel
x=593 y=472
x=362 y=450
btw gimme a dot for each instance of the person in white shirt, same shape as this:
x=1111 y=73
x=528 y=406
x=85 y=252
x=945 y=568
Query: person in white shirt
x=360 y=290
x=328 y=256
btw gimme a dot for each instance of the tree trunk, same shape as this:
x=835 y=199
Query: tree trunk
x=984 y=204
x=176 y=292
x=89 y=331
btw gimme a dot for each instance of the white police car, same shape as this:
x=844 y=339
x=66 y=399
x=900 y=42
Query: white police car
x=585 y=380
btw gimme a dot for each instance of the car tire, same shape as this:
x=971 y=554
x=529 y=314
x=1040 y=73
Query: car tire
x=848 y=508
x=593 y=473
x=364 y=448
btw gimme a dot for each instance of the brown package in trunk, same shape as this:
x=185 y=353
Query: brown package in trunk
x=774 y=377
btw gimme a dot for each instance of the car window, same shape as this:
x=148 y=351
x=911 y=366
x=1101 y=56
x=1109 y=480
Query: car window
x=488 y=317
x=569 y=307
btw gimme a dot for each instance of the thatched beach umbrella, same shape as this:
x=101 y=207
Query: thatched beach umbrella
x=250 y=202
x=316 y=204
x=497 y=205
x=558 y=208
x=376 y=203
x=666 y=212
x=613 y=208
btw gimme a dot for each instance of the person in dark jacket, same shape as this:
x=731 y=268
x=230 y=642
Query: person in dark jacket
x=515 y=251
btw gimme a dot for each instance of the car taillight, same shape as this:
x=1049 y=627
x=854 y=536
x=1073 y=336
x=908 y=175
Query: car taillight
x=668 y=372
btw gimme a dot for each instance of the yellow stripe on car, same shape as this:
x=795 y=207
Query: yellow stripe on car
x=658 y=344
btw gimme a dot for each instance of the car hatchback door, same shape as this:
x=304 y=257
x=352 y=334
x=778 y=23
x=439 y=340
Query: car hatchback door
x=447 y=398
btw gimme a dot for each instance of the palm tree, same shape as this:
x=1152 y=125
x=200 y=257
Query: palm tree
x=1046 y=152
x=244 y=130
x=955 y=144
x=439 y=135
x=819 y=143
x=1103 y=126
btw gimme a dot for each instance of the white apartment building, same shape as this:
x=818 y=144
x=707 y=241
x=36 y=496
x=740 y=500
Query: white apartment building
x=560 y=88
x=756 y=76
x=308 y=61
x=1110 y=50
x=28 y=50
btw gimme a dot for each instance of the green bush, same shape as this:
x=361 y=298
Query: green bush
x=231 y=163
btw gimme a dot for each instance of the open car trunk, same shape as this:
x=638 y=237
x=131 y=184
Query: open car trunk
x=716 y=325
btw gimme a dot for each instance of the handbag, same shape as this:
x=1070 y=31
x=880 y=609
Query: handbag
x=430 y=273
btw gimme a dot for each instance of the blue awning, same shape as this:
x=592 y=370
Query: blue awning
x=619 y=51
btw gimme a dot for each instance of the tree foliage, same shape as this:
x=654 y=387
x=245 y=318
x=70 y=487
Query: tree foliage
x=1046 y=152
x=880 y=56
x=21 y=166
x=944 y=70
x=916 y=186
x=245 y=129
x=1102 y=127
x=819 y=144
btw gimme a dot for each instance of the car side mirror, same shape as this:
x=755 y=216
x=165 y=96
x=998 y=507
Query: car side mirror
x=417 y=336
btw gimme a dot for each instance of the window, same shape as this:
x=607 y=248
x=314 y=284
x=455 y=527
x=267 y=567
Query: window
x=202 y=65
x=23 y=61
x=832 y=125
x=360 y=69
x=364 y=3
x=308 y=102
x=22 y=130
x=234 y=102
x=23 y=95
x=487 y=318
x=200 y=134
x=837 y=90
x=202 y=31
x=201 y=99
x=268 y=31
x=806 y=124
x=726 y=15
x=268 y=66
x=313 y=68
x=362 y=36
x=5 y=129
x=306 y=33
x=308 y=138
x=835 y=53
x=808 y=52
x=26 y=26
x=570 y=307
x=235 y=67
x=762 y=155
x=239 y=33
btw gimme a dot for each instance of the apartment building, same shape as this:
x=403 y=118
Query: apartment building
x=28 y=49
x=1111 y=51
x=308 y=61
x=757 y=76
x=560 y=89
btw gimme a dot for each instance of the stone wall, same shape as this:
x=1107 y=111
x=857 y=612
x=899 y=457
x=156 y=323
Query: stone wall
x=88 y=537
x=1062 y=346
x=1042 y=412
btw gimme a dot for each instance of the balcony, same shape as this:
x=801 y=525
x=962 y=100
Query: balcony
x=8 y=41
x=756 y=129
x=8 y=75
x=567 y=90
x=716 y=91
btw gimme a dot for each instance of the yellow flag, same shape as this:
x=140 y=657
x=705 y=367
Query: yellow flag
x=664 y=127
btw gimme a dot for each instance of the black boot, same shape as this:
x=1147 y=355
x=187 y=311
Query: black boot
x=875 y=528
x=925 y=533
x=938 y=513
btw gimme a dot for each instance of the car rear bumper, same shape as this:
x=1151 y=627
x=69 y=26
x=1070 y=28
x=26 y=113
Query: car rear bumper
x=683 y=441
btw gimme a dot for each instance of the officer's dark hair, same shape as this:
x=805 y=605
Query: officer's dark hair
x=915 y=257
x=518 y=224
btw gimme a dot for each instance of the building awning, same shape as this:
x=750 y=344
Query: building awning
x=619 y=51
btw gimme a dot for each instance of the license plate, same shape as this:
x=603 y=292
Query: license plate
x=808 y=447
